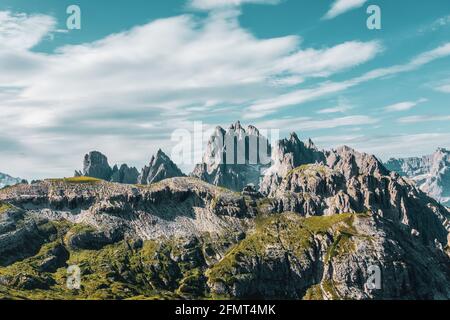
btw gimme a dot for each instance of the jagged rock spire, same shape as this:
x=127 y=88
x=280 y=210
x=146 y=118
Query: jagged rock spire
x=160 y=167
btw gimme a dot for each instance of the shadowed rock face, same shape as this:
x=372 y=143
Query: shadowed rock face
x=237 y=168
x=96 y=166
x=124 y=174
x=160 y=168
x=430 y=173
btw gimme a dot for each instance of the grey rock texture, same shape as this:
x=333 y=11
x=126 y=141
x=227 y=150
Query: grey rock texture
x=174 y=207
x=160 y=168
x=124 y=174
x=237 y=168
x=430 y=173
x=20 y=235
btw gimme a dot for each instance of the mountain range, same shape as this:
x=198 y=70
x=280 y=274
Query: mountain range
x=310 y=224
x=431 y=173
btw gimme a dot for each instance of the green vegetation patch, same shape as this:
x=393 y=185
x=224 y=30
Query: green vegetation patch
x=309 y=169
x=314 y=293
x=293 y=233
x=4 y=207
x=76 y=180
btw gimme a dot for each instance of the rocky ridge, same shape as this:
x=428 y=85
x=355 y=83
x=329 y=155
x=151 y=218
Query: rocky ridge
x=161 y=167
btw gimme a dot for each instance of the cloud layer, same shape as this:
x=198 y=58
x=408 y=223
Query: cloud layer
x=126 y=88
x=223 y=4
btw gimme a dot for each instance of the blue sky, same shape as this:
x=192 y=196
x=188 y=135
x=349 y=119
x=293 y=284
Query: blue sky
x=138 y=70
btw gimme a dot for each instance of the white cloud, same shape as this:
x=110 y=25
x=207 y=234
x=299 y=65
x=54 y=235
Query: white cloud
x=309 y=124
x=22 y=31
x=324 y=62
x=342 y=107
x=442 y=22
x=221 y=4
x=341 y=6
x=444 y=88
x=418 y=119
x=403 y=106
x=125 y=88
x=264 y=107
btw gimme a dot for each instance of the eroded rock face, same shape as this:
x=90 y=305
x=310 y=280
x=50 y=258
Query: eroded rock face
x=330 y=258
x=234 y=158
x=175 y=207
x=160 y=168
x=430 y=173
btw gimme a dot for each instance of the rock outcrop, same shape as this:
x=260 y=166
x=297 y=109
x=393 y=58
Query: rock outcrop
x=96 y=165
x=160 y=168
x=234 y=158
x=430 y=173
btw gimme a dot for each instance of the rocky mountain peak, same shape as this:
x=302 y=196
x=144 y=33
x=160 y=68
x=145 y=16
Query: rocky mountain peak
x=351 y=162
x=234 y=158
x=287 y=155
x=96 y=165
x=160 y=167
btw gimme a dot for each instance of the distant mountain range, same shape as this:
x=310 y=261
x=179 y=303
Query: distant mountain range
x=160 y=167
x=7 y=180
x=311 y=224
x=431 y=173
